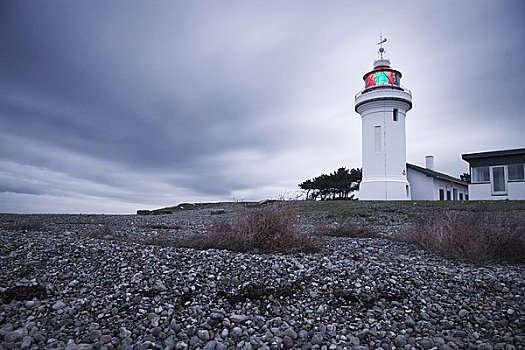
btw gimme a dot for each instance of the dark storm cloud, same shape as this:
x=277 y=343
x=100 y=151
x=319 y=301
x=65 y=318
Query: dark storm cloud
x=151 y=103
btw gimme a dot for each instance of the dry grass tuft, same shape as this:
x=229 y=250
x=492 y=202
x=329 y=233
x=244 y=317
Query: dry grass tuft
x=474 y=236
x=269 y=229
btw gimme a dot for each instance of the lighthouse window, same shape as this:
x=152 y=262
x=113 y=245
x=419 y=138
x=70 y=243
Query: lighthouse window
x=377 y=137
x=394 y=116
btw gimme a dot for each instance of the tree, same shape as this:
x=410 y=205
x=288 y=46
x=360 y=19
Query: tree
x=338 y=185
x=465 y=177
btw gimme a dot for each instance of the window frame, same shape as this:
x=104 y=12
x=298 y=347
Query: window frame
x=523 y=172
x=378 y=139
x=474 y=171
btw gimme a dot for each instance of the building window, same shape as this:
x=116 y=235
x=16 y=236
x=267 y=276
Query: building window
x=455 y=194
x=461 y=196
x=377 y=138
x=466 y=196
x=449 y=197
x=515 y=172
x=480 y=174
x=394 y=115
x=499 y=184
x=441 y=194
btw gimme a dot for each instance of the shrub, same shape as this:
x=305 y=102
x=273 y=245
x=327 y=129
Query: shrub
x=347 y=229
x=269 y=229
x=475 y=236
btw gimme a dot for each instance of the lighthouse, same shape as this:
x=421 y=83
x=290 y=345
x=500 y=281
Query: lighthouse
x=382 y=105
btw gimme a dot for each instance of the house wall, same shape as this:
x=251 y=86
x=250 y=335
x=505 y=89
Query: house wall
x=450 y=186
x=421 y=186
x=425 y=187
x=483 y=191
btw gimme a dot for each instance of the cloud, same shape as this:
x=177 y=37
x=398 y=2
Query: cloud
x=132 y=104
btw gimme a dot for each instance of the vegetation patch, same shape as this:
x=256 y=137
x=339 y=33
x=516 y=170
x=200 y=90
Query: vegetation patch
x=471 y=235
x=269 y=229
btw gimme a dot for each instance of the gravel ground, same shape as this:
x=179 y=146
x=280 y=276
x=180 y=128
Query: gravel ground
x=90 y=282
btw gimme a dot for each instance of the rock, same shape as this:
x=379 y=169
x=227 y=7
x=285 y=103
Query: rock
x=236 y=333
x=409 y=322
x=105 y=339
x=172 y=297
x=73 y=283
x=94 y=335
x=84 y=346
x=203 y=335
x=239 y=318
x=154 y=319
x=58 y=305
x=210 y=345
x=400 y=341
x=287 y=342
x=426 y=343
x=26 y=342
x=290 y=333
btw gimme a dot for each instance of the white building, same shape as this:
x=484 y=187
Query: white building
x=497 y=175
x=383 y=105
x=428 y=184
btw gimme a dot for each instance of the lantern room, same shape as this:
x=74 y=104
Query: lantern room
x=382 y=76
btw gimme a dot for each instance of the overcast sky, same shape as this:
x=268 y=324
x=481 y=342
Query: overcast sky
x=114 y=106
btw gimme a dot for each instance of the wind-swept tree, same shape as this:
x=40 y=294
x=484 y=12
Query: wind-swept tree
x=339 y=184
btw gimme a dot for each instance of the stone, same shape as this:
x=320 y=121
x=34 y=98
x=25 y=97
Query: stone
x=124 y=333
x=94 y=335
x=26 y=342
x=58 y=305
x=426 y=343
x=400 y=341
x=236 y=332
x=239 y=318
x=290 y=333
x=409 y=322
x=287 y=342
x=105 y=339
x=84 y=346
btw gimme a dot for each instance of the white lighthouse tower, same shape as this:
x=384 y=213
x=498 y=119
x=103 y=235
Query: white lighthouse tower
x=383 y=105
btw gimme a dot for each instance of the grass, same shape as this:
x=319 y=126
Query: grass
x=269 y=229
x=471 y=235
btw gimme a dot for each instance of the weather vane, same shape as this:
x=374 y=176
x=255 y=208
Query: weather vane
x=380 y=43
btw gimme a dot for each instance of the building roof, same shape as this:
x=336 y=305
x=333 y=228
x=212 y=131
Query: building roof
x=502 y=153
x=491 y=158
x=436 y=174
